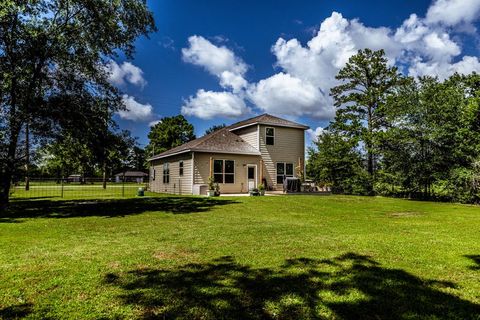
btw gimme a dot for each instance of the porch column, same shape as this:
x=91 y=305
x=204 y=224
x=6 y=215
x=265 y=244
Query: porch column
x=261 y=170
x=300 y=167
x=211 y=167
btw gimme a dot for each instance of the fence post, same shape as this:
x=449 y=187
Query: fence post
x=123 y=185
x=62 y=188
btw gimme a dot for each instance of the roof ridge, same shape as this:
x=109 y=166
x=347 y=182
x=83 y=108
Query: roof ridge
x=267 y=119
x=196 y=143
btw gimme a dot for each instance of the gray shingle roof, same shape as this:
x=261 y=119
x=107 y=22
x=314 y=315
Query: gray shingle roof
x=132 y=174
x=220 y=141
x=267 y=119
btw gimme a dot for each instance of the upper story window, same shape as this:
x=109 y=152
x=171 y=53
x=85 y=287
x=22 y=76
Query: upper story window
x=166 y=173
x=270 y=136
x=180 y=168
x=224 y=171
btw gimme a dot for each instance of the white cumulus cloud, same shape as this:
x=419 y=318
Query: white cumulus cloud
x=217 y=60
x=284 y=94
x=135 y=111
x=119 y=74
x=452 y=12
x=306 y=72
x=210 y=104
x=313 y=134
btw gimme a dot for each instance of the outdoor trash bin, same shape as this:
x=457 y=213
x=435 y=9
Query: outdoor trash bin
x=140 y=192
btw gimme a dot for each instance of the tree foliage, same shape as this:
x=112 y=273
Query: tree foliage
x=423 y=135
x=168 y=133
x=214 y=128
x=52 y=68
x=366 y=82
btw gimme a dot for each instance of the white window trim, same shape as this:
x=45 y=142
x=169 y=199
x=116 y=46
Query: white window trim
x=223 y=170
x=181 y=165
x=269 y=136
x=284 y=169
x=256 y=173
x=167 y=165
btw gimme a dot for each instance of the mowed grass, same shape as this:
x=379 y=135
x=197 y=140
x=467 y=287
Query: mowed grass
x=52 y=189
x=283 y=257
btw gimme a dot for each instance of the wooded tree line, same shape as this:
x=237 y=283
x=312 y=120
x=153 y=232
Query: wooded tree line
x=53 y=81
x=399 y=136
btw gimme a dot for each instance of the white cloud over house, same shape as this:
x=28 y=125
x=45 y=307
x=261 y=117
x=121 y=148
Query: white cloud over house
x=217 y=60
x=285 y=94
x=301 y=87
x=211 y=104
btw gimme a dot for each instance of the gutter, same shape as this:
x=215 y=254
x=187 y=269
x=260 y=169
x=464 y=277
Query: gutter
x=206 y=151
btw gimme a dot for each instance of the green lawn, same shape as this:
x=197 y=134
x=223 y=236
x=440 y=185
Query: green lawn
x=51 y=189
x=285 y=257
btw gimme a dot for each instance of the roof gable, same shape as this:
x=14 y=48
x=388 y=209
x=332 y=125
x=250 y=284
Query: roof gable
x=224 y=141
x=220 y=141
x=267 y=119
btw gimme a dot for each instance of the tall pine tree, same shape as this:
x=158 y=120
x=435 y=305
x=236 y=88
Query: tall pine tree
x=366 y=81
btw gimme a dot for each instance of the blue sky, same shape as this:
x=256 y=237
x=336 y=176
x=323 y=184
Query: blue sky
x=223 y=61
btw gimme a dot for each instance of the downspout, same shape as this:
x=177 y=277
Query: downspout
x=193 y=170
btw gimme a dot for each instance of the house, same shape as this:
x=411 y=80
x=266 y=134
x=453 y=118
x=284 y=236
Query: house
x=74 y=178
x=263 y=149
x=131 y=176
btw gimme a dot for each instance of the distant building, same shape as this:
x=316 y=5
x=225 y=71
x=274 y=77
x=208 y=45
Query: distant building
x=131 y=176
x=74 y=178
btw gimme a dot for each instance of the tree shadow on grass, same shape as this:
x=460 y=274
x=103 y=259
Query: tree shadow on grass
x=16 y=312
x=476 y=259
x=108 y=208
x=350 y=286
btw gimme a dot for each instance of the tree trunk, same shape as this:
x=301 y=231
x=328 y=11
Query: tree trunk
x=370 y=155
x=5 y=180
x=8 y=169
x=104 y=181
x=27 y=156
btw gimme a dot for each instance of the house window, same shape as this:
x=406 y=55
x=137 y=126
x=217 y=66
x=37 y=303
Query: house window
x=224 y=171
x=166 y=173
x=284 y=170
x=153 y=174
x=180 y=168
x=270 y=136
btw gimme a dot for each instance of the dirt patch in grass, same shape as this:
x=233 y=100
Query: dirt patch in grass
x=403 y=214
x=114 y=265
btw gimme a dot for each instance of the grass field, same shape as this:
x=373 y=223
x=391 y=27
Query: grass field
x=52 y=189
x=285 y=257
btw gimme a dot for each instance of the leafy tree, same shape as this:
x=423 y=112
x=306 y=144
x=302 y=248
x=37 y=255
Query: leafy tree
x=69 y=155
x=137 y=159
x=367 y=80
x=214 y=128
x=52 y=58
x=168 y=133
x=337 y=163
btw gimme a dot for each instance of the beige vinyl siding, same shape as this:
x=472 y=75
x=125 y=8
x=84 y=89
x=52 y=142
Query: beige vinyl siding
x=249 y=134
x=178 y=184
x=202 y=170
x=289 y=147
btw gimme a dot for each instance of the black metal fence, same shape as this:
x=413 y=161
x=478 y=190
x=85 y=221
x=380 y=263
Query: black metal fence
x=76 y=188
